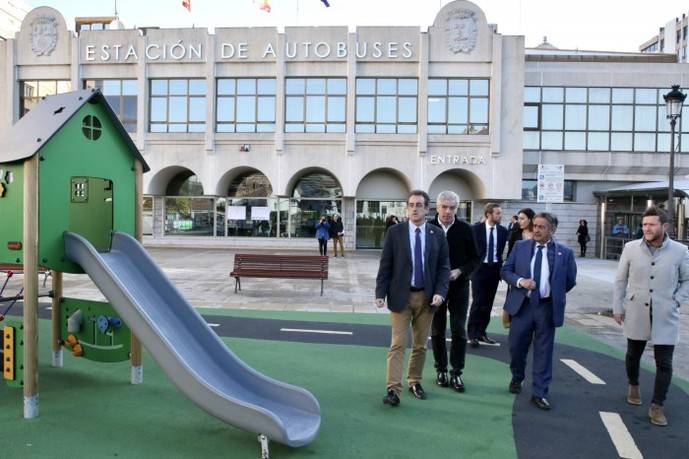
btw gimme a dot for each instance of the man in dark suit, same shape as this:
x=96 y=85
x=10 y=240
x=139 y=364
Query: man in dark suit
x=413 y=275
x=541 y=271
x=490 y=239
x=464 y=260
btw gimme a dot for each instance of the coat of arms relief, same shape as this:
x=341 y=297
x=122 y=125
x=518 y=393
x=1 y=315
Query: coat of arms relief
x=461 y=31
x=43 y=35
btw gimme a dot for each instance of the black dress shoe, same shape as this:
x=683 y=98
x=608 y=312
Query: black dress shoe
x=417 y=391
x=473 y=342
x=515 y=387
x=457 y=383
x=540 y=402
x=391 y=399
x=441 y=379
x=486 y=340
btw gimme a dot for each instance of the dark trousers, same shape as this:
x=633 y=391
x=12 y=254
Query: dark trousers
x=484 y=284
x=663 y=355
x=583 y=248
x=323 y=246
x=533 y=323
x=457 y=304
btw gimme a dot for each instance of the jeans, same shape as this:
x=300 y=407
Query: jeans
x=663 y=356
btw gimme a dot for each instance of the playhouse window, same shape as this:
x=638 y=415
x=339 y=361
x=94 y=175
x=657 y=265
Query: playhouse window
x=91 y=127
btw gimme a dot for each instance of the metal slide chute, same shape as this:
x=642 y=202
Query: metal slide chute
x=196 y=360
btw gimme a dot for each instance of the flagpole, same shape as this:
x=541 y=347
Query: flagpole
x=297 y=12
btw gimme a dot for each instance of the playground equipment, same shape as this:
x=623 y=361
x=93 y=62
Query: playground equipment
x=72 y=151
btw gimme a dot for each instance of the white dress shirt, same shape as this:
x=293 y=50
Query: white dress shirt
x=412 y=245
x=495 y=243
x=544 y=288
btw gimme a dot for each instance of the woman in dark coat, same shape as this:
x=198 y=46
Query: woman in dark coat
x=583 y=236
x=523 y=229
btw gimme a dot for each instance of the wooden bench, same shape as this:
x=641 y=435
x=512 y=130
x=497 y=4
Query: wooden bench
x=279 y=266
x=19 y=269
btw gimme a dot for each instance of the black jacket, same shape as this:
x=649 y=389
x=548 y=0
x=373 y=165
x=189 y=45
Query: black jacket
x=462 y=247
x=336 y=227
x=479 y=230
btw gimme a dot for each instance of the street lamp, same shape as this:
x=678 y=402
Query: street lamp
x=673 y=105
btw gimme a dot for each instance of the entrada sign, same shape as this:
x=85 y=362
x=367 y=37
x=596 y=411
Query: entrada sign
x=238 y=51
x=451 y=160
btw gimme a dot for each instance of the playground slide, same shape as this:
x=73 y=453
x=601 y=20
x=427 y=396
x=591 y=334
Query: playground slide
x=188 y=351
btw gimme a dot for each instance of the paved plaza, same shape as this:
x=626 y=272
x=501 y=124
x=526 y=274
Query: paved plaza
x=202 y=276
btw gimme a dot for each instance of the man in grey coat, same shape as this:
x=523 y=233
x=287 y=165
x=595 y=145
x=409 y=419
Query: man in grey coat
x=652 y=281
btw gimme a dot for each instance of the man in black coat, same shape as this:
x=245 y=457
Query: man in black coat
x=413 y=277
x=490 y=239
x=464 y=260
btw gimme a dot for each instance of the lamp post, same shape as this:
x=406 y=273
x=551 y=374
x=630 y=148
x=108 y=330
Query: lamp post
x=673 y=105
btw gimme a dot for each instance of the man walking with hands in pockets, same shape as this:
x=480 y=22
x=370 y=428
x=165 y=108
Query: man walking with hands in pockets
x=652 y=281
x=413 y=276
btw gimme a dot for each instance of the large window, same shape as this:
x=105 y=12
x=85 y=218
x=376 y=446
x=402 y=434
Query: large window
x=315 y=104
x=530 y=190
x=31 y=92
x=178 y=105
x=457 y=106
x=315 y=194
x=252 y=210
x=122 y=97
x=386 y=105
x=598 y=119
x=245 y=105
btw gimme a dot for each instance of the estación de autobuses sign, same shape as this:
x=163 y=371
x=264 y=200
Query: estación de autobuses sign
x=181 y=50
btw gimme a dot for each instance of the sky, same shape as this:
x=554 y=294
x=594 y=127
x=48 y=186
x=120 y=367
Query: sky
x=609 y=25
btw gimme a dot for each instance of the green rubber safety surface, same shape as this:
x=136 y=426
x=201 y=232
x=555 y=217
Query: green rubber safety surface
x=90 y=410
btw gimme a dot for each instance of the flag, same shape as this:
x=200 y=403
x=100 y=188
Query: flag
x=187 y=4
x=325 y=2
x=266 y=6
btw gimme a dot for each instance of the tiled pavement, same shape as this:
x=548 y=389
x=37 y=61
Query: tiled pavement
x=202 y=276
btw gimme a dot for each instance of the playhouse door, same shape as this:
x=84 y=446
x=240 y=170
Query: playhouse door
x=90 y=210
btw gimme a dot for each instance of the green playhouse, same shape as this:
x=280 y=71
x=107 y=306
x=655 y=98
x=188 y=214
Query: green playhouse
x=70 y=197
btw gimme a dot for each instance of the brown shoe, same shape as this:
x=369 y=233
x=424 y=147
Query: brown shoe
x=656 y=415
x=634 y=395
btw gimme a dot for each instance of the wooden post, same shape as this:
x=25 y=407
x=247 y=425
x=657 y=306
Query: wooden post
x=137 y=368
x=56 y=345
x=30 y=247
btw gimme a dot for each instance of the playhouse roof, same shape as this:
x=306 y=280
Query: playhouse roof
x=39 y=125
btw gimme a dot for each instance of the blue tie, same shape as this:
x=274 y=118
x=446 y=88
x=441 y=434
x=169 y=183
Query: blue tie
x=418 y=261
x=536 y=294
x=491 y=246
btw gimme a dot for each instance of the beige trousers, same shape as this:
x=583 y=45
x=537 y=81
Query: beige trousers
x=419 y=315
x=336 y=240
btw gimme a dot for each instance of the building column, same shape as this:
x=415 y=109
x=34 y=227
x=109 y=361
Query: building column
x=158 y=217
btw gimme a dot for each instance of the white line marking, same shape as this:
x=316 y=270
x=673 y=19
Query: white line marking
x=322 y=332
x=48 y=308
x=620 y=436
x=582 y=371
x=213 y=325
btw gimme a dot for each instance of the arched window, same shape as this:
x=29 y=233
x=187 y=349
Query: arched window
x=317 y=185
x=187 y=211
x=252 y=210
x=250 y=185
x=314 y=194
x=184 y=184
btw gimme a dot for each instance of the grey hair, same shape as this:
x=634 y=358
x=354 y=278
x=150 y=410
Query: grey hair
x=552 y=219
x=448 y=195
